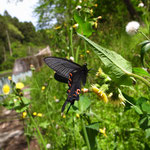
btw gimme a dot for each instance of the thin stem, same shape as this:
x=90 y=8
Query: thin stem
x=144 y=35
x=84 y=130
x=38 y=131
x=71 y=45
x=140 y=78
x=85 y=134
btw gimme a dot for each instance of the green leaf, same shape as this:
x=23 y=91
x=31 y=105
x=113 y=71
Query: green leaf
x=85 y=27
x=92 y=131
x=141 y=100
x=147 y=131
x=144 y=49
x=25 y=100
x=143 y=122
x=146 y=107
x=130 y=99
x=20 y=109
x=94 y=126
x=44 y=124
x=84 y=103
x=138 y=110
x=141 y=71
x=144 y=42
x=116 y=66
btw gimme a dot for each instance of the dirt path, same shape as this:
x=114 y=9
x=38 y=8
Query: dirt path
x=12 y=131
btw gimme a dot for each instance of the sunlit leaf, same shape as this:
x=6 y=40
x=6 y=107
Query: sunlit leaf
x=146 y=107
x=141 y=71
x=116 y=66
x=84 y=103
x=147 y=131
x=85 y=27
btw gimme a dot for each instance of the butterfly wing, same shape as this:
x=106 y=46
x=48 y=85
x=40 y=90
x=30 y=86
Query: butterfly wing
x=60 y=78
x=68 y=72
x=74 y=84
x=62 y=66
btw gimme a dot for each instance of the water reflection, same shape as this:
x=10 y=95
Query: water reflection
x=15 y=78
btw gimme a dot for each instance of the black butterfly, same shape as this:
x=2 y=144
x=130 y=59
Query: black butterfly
x=71 y=73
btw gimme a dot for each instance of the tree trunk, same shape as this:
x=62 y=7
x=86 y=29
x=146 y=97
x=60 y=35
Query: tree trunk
x=9 y=44
x=131 y=9
x=4 y=51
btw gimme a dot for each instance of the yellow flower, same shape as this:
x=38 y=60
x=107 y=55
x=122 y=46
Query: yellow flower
x=87 y=51
x=24 y=114
x=99 y=72
x=103 y=131
x=100 y=93
x=19 y=85
x=9 y=78
x=39 y=114
x=96 y=5
x=34 y=114
x=77 y=115
x=95 y=24
x=58 y=27
x=43 y=88
x=81 y=56
x=64 y=116
x=75 y=25
x=104 y=97
x=95 y=89
x=91 y=11
x=6 y=89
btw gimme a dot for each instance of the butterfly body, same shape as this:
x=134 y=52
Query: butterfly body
x=68 y=72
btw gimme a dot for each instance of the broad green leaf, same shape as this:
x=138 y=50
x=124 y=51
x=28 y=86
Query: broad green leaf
x=92 y=131
x=85 y=27
x=144 y=49
x=147 y=131
x=44 y=124
x=116 y=66
x=94 y=126
x=138 y=110
x=84 y=103
x=146 y=107
x=141 y=71
x=25 y=100
x=141 y=100
x=81 y=105
x=144 y=42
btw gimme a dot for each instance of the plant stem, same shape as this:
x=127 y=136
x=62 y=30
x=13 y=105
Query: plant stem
x=85 y=134
x=38 y=131
x=140 y=78
x=144 y=35
x=84 y=130
x=71 y=45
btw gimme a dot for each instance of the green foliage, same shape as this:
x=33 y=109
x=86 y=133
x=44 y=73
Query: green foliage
x=117 y=67
x=90 y=123
x=145 y=47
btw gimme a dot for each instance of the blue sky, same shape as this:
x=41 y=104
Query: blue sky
x=22 y=10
